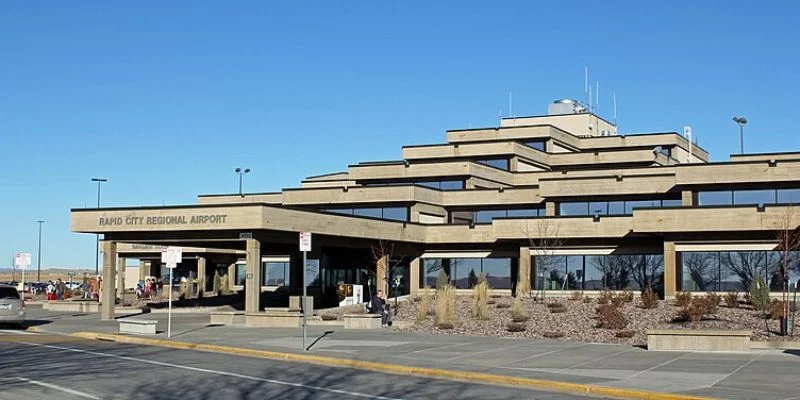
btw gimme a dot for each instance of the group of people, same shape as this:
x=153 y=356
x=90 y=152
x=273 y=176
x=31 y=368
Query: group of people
x=55 y=290
x=148 y=289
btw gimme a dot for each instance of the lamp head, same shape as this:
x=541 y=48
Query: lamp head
x=238 y=170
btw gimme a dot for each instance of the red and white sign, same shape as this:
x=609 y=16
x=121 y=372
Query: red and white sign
x=172 y=256
x=305 y=241
x=23 y=260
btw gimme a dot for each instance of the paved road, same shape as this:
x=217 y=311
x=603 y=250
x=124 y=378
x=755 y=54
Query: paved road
x=41 y=366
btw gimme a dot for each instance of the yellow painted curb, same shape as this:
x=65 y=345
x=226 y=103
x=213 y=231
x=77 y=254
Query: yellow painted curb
x=476 y=377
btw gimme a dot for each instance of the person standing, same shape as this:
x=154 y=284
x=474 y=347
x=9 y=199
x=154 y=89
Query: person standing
x=59 y=289
x=85 y=287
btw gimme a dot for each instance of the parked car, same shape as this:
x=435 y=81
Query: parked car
x=12 y=306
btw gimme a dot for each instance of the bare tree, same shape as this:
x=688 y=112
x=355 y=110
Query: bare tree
x=615 y=271
x=385 y=265
x=545 y=241
x=13 y=264
x=703 y=270
x=788 y=237
x=746 y=265
x=646 y=270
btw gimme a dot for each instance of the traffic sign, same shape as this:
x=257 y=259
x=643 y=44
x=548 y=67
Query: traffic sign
x=305 y=241
x=22 y=260
x=172 y=256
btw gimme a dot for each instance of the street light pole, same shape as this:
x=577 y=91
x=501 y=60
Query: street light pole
x=742 y=121
x=241 y=173
x=97 y=241
x=39 y=255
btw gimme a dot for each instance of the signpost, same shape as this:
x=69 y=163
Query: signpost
x=305 y=246
x=22 y=260
x=172 y=257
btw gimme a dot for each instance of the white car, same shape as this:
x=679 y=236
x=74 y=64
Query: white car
x=12 y=306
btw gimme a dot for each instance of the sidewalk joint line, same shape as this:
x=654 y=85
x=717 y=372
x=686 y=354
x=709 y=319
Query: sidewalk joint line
x=654 y=367
x=737 y=369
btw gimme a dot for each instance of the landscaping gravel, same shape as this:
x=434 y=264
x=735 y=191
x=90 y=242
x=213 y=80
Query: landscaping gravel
x=578 y=322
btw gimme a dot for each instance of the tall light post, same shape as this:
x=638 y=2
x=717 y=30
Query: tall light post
x=241 y=173
x=39 y=254
x=742 y=121
x=97 y=247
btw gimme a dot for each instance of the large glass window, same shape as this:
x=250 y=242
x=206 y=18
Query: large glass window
x=312 y=273
x=613 y=207
x=598 y=272
x=715 y=198
x=536 y=144
x=389 y=213
x=465 y=272
x=241 y=274
x=789 y=196
x=488 y=215
x=526 y=212
x=501 y=163
x=722 y=271
x=276 y=274
x=754 y=196
x=451 y=185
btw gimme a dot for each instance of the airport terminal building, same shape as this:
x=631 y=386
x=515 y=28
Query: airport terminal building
x=561 y=201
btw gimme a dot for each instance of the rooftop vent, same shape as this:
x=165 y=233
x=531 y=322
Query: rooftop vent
x=565 y=106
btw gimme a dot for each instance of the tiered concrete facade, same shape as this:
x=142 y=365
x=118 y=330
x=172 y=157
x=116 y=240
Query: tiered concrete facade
x=560 y=203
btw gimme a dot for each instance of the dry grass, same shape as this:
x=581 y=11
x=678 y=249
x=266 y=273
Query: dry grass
x=424 y=304
x=576 y=296
x=605 y=297
x=516 y=326
x=682 y=299
x=649 y=298
x=609 y=316
x=445 y=306
x=518 y=313
x=480 y=296
x=732 y=299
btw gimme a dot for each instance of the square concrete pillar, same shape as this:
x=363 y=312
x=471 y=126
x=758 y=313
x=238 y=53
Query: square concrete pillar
x=201 y=276
x=670 y=270
x=121 y=277
x=413 y=275
x=108 y=295
x=144 y=269
x=252 y=293
x=687 y=198
x=524 y=283
x=231 y=277
x=550 y=209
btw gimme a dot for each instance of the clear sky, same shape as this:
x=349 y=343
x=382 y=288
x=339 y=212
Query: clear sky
x=165 y=99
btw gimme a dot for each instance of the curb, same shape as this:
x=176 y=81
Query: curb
x=476 y=377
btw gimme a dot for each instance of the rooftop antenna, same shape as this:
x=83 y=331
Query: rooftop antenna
x=585 y=85
x=615 y=111
x=597 y=94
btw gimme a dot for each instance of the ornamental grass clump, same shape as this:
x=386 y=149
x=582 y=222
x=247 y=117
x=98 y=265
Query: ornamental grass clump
x=480 y=296
x=423 y=308
x=649 y=298
x=682 y=299
x=732 y=299
x=445 y=306
x=517 y=312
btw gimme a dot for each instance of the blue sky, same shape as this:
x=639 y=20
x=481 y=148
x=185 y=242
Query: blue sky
x=165 y=99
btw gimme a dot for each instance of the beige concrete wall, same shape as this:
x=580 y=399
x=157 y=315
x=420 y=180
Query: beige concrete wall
x=610 y=185
x=783 y=171
x=508 y=196
x=577 y=124
x=269 y=198
x=712 y=219
x=765 y=157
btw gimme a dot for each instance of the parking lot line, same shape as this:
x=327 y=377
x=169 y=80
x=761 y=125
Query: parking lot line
x=59 y=388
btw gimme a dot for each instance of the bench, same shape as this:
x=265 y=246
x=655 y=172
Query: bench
x=698 y=340
x=138 y=326
x=273 y=319
x=362 y=321
x=227 y=317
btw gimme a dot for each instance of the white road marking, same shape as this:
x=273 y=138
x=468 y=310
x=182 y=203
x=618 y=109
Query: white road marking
x=211 y=371
x=597 y=359
x=439 y=348
x=738 y=369
x=535 y=356
x=59 y=388
x=15 y=332
x=655 y=366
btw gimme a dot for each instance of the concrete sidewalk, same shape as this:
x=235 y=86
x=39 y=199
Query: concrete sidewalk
x=759 y=374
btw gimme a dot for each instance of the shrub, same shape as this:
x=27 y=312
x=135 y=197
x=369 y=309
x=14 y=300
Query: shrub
x=516 y=327
x=445 y=305
x=682 y=299
x=605 y=297
x=775 y=309
x=649 y=298
x=609 y=316
x=626 y=296
x=732 y=299
x=502 y=305
x=424 y=306
x=555 y=304
x=587 y=300
x=518 y=313
x=617 y=301
x=558 y=310
x=328 y=317
x=575 y=296
x=759 y=294
x=480 y=295
x=553 y=334
x=625 y=334
x=711 y=303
